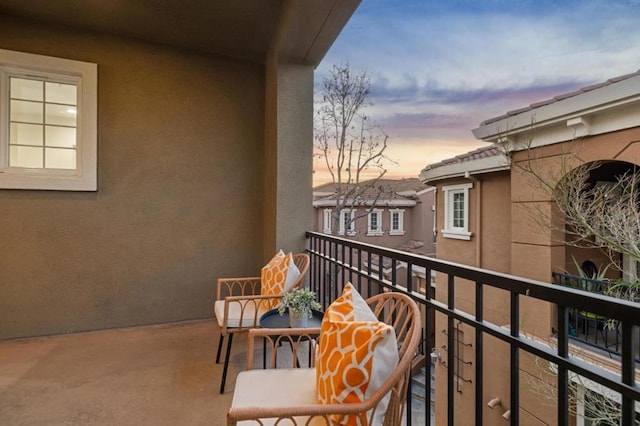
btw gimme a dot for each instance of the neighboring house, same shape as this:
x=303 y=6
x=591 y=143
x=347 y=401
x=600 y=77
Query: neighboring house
x=148 y=148
x=396 y=214
x=483 y=205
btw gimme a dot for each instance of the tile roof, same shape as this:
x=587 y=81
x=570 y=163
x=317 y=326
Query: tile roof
x=477 y=154
x=392 y=188
x=562 y=97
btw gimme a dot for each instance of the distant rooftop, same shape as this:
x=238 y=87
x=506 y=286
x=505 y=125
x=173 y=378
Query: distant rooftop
x=383 y=190
x=392 y=185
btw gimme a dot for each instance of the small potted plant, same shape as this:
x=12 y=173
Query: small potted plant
x=300 y=302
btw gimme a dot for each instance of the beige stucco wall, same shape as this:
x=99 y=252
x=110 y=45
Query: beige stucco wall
x=489 y=247
x=179 y=200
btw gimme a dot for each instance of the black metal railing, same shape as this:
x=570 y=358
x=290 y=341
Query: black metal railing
x=335 y=261
x=586 y=327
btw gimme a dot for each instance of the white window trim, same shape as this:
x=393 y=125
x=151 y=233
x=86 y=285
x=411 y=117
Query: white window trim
x=377 y=232
x=400 y=230
x=85 y=76
x=449 y=231
x=352 y=228
x=326 y=221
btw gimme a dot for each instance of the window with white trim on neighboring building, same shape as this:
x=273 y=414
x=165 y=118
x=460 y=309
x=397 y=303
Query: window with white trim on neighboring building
x=396 y=222
x=326 y=221
x=347 y=222
x=456 y=211
x=48 y=123
x=374 y=222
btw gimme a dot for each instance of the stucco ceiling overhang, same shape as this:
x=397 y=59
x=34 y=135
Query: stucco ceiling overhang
x=299 y=31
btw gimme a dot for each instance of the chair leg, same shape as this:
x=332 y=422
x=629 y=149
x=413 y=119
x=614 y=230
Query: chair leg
x=226 y=363
x=219 y=349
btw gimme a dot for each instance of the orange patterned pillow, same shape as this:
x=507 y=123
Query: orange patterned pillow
x=356 y=354
x=274 y=276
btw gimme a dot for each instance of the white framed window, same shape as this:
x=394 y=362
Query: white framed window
x=48 y=123
x=347 y=222
x=327 y=216
x=396 y=220
x=456 y=211
x=374 y=222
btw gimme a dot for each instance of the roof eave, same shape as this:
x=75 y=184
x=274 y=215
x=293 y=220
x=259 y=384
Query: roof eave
x=466 y=169
x=564 y=111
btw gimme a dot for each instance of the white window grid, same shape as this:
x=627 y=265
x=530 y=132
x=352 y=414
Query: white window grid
x=347 y=222
x=374 y=222
x=396 y=220
x=456 y=211
x=25 y=67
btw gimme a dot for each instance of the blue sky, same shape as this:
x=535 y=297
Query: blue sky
x=439 y=68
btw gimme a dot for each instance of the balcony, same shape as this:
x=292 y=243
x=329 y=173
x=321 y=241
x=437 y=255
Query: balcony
x=167 y=375
x=587 y=328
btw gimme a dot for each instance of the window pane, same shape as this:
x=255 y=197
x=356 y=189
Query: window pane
x=61 y=115
x=61 y=93
x=458 y=210
x=25 y=134
x=25 y=156
x=61 y=136
x=25 y=111
x=26 y=89
x=60 y=158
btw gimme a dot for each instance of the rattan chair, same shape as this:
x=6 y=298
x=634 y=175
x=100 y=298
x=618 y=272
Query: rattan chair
x=288 y=395
x=239 y=305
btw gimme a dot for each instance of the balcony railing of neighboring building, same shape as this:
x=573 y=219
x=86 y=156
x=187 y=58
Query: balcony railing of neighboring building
x=587 y=327
x=335 y=261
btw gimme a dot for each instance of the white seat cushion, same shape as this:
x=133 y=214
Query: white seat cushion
x=249 y=317
x=284 y=387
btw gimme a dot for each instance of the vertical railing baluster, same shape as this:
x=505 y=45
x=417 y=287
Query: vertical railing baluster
x=429 y=338
x=450 y=349
x=563 y=375
x=369 y=273
x=343 y=262
x=515 y=360
x=479 y=355
x=394 y=274
x=360 y=270
x=629 y=353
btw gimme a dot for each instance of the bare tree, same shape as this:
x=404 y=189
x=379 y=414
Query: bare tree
x=588 y=214
x=351 y=145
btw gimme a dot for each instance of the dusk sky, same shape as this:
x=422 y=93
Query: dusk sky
x=439 y=68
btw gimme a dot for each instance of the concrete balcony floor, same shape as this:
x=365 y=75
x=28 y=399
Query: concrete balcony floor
x=156 y=375
x=159 y=375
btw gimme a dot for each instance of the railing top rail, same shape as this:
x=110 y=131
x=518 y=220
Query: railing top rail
x=607 y=306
